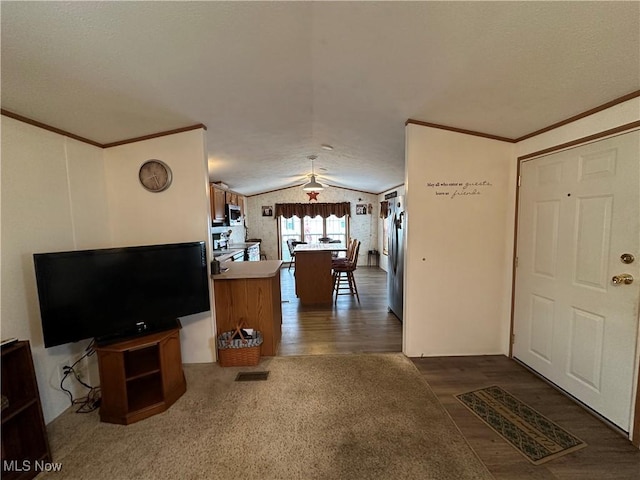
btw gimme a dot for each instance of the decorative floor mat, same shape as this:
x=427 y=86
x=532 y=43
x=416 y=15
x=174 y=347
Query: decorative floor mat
x=531 y=433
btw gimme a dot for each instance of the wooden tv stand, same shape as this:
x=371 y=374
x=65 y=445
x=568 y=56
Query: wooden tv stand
x=140 y=377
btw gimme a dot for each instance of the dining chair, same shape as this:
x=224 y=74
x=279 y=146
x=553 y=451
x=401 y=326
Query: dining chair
x=343 y=277
x=336 y=260
x=291 y=244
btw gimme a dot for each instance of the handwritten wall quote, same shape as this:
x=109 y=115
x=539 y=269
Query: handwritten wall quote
x=459 y=189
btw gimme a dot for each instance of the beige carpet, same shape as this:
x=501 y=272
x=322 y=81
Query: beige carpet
x=316 y=417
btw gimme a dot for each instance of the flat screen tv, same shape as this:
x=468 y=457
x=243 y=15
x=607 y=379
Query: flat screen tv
x=113 y=293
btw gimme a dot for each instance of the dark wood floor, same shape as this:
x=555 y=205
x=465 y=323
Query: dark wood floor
x=344 y=327
x=349 y=327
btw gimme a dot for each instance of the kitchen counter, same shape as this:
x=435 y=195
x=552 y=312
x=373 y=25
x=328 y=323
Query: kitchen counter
x=249 y=292
x=224 y=254
x=241 y=270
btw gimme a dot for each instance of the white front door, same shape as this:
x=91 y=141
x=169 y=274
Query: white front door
x=579 y=215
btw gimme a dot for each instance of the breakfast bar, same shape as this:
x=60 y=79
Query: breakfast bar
x=314 y=281
x=250 y=291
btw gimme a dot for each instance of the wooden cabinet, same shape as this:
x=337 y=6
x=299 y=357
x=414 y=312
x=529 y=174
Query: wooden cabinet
x=217 y=196
x=140 y=377
x=314 y=282
x=24 y=436
x=241 y=204
x=232 y=198
x=257 y=301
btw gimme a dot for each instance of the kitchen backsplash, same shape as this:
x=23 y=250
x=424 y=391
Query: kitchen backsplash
x=237 y=232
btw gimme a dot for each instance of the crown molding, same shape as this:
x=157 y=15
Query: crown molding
x=64 y=133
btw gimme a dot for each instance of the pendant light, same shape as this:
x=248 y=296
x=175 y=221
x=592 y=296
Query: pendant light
x=313 y=185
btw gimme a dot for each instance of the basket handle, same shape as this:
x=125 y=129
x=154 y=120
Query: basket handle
x=238 y=330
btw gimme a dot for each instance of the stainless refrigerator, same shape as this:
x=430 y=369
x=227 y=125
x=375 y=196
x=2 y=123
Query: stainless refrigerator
x=395 y=266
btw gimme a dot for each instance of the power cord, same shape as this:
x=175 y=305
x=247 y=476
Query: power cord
x=91 y=401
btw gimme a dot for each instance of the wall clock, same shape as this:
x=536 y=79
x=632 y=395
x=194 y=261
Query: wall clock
x=155 y=175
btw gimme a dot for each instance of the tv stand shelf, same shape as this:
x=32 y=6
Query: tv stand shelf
x=140 y=377
x=24 y=435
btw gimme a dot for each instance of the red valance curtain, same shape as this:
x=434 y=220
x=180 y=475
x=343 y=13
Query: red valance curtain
x=301 y=210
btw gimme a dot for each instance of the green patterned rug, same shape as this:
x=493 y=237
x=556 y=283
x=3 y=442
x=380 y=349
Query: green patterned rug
x=533 y=435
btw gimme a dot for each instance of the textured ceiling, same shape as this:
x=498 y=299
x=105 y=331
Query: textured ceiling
x=272 y=81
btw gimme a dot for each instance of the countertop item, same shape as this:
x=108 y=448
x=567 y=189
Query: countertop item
x=240 y=270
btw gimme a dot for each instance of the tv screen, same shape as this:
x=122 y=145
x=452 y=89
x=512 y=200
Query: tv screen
x=114 y=292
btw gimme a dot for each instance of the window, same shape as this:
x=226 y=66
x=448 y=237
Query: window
x=311 y=230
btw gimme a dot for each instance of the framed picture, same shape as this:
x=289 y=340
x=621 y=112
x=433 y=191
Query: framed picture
x=361 y=209
x=267 y=211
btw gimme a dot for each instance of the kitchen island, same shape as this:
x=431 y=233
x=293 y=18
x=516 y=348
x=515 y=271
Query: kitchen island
x=250 y=291
x=314 y=280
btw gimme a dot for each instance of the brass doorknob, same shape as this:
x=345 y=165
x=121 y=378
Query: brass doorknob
x=622 y=279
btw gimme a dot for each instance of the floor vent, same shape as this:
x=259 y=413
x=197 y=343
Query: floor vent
x=252 y=376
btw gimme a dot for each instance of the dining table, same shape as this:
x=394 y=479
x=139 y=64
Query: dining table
x=314 y=279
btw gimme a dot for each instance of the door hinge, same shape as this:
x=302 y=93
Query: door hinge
x=516 y=262
x=519 y=180
x=513 y=338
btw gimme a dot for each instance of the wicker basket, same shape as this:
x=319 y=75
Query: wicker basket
x=239 y=352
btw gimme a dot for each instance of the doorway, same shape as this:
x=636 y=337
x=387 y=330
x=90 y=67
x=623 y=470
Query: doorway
x=576 y=310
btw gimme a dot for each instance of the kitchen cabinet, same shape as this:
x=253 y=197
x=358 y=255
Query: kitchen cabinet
x=251 y=291
x=220 y=197
x=24 y=436
x=217 y=196
x=241 y=204
x=232 y=198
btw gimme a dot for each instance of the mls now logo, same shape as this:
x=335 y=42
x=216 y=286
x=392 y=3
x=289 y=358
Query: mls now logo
x=28 y=466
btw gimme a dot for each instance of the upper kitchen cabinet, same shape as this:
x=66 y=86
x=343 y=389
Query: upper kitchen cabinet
x=241 y=204
x=220 y=197
x=232 y=198
x=217 y=203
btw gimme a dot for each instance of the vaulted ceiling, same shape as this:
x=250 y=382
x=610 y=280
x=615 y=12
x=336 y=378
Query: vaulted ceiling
x=273 y=81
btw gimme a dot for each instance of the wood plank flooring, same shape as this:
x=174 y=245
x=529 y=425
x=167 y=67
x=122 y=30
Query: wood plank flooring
x=349 y=327
x=608 y=455
x=344 y=327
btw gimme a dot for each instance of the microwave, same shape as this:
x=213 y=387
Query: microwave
x=233 y=215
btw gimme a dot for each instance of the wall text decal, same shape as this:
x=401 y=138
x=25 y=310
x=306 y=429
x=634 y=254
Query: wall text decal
x=459 y=189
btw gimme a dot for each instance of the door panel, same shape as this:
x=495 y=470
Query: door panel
x=585 y=348
x=579 y=212
x=546 y=238
x=541 y=327
x=593 y=230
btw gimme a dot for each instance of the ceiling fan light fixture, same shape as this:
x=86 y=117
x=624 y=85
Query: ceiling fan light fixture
x=313 y=185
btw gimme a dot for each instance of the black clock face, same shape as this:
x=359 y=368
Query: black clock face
x=155 y=175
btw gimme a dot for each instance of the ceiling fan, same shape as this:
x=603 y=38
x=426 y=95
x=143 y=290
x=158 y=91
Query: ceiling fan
x=314 y=180
x=313 y=185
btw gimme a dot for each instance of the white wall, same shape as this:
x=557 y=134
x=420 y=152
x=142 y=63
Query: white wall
x=179 y=214
x=615 y=116
x=362 y=227
x=457 y=275
x=53 y=199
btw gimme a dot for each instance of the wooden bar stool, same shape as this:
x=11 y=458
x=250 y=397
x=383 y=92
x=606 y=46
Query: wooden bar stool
x=343 y=278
